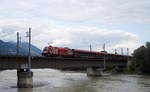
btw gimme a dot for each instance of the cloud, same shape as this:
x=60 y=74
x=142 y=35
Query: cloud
x=61 y=42
x=69 y=36
x=79 y=11
x=132 y=45
x=49 y=18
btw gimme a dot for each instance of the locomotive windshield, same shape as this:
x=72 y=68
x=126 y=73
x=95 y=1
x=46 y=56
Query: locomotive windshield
x=45 y=49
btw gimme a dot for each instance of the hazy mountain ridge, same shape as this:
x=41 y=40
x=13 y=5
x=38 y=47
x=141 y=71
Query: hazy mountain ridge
x=10 y=48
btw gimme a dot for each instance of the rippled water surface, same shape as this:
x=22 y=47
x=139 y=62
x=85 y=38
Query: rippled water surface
x=48 y=80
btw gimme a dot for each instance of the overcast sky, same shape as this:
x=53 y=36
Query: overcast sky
x=77 y=23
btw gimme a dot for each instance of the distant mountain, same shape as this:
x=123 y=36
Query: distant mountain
x=10 y=48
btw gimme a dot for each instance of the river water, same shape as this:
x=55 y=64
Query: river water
x=49 y=80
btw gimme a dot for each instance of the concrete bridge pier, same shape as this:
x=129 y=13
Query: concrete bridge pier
x=92 y=71
x=25 y=78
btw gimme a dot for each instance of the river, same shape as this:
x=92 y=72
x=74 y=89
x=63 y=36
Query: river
x=49 y=80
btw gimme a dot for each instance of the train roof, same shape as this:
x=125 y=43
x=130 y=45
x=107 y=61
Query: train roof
x=86 y=51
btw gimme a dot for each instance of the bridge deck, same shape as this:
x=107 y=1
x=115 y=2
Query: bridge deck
x=14 y=62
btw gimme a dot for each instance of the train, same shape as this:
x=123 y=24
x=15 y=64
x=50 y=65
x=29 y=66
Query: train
x=51 y=51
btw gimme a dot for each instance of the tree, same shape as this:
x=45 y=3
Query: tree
x=142 y=58
x=146 y=62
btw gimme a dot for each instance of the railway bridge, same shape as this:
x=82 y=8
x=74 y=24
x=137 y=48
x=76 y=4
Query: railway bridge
x=25 y=76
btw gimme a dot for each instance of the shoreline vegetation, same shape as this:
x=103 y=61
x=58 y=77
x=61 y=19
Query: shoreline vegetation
x=140 y=63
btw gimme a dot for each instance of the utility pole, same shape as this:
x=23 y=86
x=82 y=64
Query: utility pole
x=20 y=40
x=29 y=52
x=20 y=45
x=104 y=46
x=122 y=51
x=17 y=43
x=115 y=51
x=90 y=47
x=104 y=56
x=128 y=51
x=128 y=55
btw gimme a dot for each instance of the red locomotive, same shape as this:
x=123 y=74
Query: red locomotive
x=51 y=51
x=56 y=51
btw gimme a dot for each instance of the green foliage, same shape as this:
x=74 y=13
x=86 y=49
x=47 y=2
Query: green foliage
x=141 y=57
x=132 y=66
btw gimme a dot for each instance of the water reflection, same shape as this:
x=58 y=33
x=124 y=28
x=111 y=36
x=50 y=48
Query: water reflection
x=80 y=86
x=144 y=82
x=24 y=89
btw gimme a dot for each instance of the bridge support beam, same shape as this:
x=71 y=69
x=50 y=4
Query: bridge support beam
x=94 y=71
x=25 y=78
